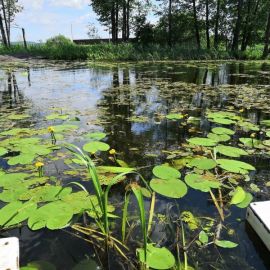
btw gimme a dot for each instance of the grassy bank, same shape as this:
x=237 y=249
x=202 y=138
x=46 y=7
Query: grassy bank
x=126 y=52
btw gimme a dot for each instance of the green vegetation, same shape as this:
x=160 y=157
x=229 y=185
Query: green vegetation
x=124 y=52
x=208 y=165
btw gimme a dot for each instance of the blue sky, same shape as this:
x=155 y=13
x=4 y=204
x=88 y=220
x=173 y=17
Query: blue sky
x=43 y=19
x=46 y=18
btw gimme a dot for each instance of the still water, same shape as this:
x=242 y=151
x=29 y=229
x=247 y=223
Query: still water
x=126 y=101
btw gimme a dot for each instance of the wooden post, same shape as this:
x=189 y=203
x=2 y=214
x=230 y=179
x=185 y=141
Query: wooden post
x=24 y=40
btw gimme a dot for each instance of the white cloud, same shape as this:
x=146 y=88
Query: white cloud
x=78 y=4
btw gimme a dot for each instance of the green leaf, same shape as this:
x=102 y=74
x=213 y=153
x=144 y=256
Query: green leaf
x=18 y=116
x=230 y=151
x=166 y=172
x=238 y=196
x=172 y=188
x=222 y=121
x=246 y=202
x=22 y=213
x=201 y=182
x=112 y=169
x=55 y=215
x=235 y=166
x=93 y=147
x=203 y=237
x=175 y=116
x=55 y=116
x=219 y=138
x=97 y=136
x=157 y=258
x=203 y=163
x=3 y=151
x=202 y=141
x=221 y=131
x=225 y=244
x=22 y=159
x=251 y=143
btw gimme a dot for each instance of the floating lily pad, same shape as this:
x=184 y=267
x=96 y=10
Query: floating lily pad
x=16 y=212
x=203 y=163
x=18 y=116
x=3 y=151
x=219 y=138
x=222 y=130
x=166 y=172
x=225 y=244
x=235 y=166
x=230 y=151
x=251 y=143
x=93 y=147
x=202 y=141
x=201 y=182
x=175 y=116
x=247 y=200
x=55 y=215
x=22 y=159
x=56 y=116
x=97 y=136
x=172 y=188
x=157 y=258
x=238 y=195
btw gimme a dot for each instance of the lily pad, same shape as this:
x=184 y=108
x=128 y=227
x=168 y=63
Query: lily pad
x=97 y=136
x=95 y=146
x=173 y=188
x=201 y=182
x=175 y=116
x=238 y=195
x=54 y=215
x=231 y=151
x=156 y=258
x=225 y=244
x=202 y=141
x=166 y=172
x=203 y=163
x=222 y=130
x=235 y=166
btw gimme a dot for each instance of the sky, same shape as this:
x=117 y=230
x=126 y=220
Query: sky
x=43 y=19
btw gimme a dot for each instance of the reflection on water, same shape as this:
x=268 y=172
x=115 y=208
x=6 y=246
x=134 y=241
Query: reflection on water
x=108 y=99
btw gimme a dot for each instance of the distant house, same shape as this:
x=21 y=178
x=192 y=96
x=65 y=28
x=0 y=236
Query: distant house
x=98 y=41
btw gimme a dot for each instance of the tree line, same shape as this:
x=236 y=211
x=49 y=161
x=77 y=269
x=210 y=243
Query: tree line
x=231 y=24
x=8 y=10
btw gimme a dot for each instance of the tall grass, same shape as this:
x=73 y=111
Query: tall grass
x=125 y=52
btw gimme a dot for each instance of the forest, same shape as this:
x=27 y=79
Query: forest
x=164 y=30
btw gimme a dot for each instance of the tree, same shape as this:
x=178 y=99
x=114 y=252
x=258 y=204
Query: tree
x=196 y=25
x=216 y=40
x=8 y=11
x=267 y=38
x=207 y=24
x=237 y=29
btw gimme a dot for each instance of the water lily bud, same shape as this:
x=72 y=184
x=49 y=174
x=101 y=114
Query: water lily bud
x=51 y=129
x=241 y=110
x=112 y=152
x=253 y=135
x=39 y=164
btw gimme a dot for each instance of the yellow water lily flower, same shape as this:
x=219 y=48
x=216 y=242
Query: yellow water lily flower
x=51 y=129
x=39 y=164
x=112 y=152
x=252 y=135
x=241 y=110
